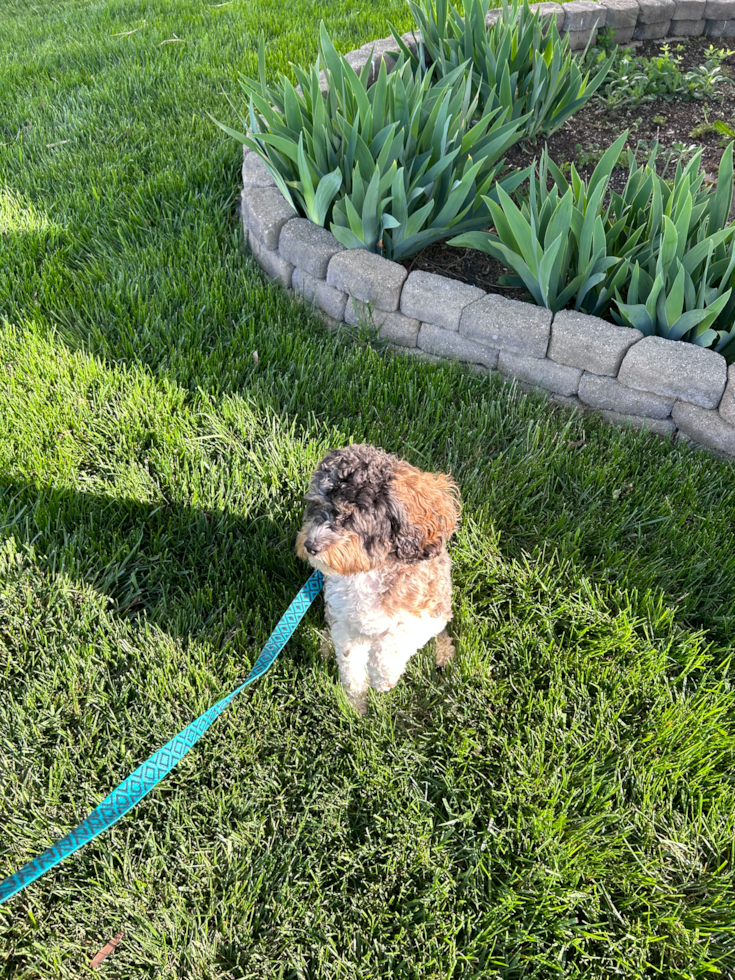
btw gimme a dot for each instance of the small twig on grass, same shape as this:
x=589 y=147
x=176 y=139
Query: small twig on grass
x=171 y=40
x=106 y=950
x=579 y=442
x=128 y=33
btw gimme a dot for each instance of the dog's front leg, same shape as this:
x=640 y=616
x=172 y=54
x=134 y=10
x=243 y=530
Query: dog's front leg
x=352 y=659
x=388 y=659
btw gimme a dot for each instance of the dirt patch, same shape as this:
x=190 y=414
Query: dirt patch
x=669 y=121
x=467 y=265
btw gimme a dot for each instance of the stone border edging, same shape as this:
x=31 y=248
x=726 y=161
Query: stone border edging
x=630 y=20
x=636 y=20
x=667 y=387
x=581 y=361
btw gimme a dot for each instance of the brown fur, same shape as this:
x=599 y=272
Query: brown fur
x=444 y=650
x=422 y=588
x=345 y=556
x=431 y=501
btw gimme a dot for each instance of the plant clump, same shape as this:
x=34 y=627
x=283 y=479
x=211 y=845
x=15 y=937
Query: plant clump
x=395 y=166
x=657 y=256
x=633 y=79
x=417 y=157
x=518 y=64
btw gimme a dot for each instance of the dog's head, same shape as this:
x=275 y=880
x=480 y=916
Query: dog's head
x=365 y=507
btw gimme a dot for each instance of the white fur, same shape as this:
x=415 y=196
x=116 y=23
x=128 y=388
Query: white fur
x=372 y=648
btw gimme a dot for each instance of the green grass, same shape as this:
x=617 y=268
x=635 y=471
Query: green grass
x=560 y=803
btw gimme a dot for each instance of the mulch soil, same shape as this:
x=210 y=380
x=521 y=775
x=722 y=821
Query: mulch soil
x=667 y=121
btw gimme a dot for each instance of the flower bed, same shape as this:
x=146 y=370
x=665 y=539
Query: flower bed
x=662 y=385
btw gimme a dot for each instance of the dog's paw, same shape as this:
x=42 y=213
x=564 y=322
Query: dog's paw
x=358 y=703
x=326 y=647
x=444 y=650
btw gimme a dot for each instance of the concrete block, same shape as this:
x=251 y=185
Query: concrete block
x=687 y=28
x=623 y=13
x=403 y=331
x=244 y=217
x=548 y=12
x=271 y=262
x=609 y=395
x=656 y=11
x=622 y=35
x=436 y=299
x=395 y=327
x=719 y=28
x=267 y=212
x=255 y=173
x=584 y=15
x=689 y=9
x=675 y=369
x=622 y=17
x=412 y=39
x=415 y=352
x=331 y=301
x=659 y=427
x=383 y=49
x=650 y=32
x=368 y=277
x=448 y=343
x=727 y=405
x=308 y=246
x=358 y=58
x=705 y=426
x=719 y=10
x=540 y=371
x=587 y=342
x=507 y=324
x=568 y=401
x=578 y=40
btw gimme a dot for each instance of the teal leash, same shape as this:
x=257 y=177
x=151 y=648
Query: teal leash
x=160 y=764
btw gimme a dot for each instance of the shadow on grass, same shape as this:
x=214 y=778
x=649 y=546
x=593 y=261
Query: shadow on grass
x=194 y=572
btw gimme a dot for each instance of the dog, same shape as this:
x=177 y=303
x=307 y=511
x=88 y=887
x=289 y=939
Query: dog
x=377 y=528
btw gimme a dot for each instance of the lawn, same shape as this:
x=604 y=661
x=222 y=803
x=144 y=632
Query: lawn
x=559 y=803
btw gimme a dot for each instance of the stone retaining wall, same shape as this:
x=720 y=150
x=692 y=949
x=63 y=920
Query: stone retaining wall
x=629 y=20
x=581 y=361
x=638 y=20
x=665 y=386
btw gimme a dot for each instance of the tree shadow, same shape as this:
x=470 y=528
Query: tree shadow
x=193 y=572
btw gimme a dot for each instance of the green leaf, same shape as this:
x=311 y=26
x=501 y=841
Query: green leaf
x=328 y=188
x=521 y=230
x=355 y=221
x=656 y=288
x=550 y=286
x=722 y=203
x=603 y=170
x=636 y=316
x=346 y=236
x=675 y=300
x=371 y=209
x=669 y=243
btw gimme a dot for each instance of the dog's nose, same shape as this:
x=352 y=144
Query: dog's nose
x=310 y=547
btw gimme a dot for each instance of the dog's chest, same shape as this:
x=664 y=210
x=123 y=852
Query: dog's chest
x=357 y=600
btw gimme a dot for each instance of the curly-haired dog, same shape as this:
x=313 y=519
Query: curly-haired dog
x=377 y=528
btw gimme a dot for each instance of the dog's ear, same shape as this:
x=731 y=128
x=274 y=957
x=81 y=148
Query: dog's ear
x=427 y=512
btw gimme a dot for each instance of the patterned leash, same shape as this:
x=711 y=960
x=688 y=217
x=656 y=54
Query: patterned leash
x=160 y=764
